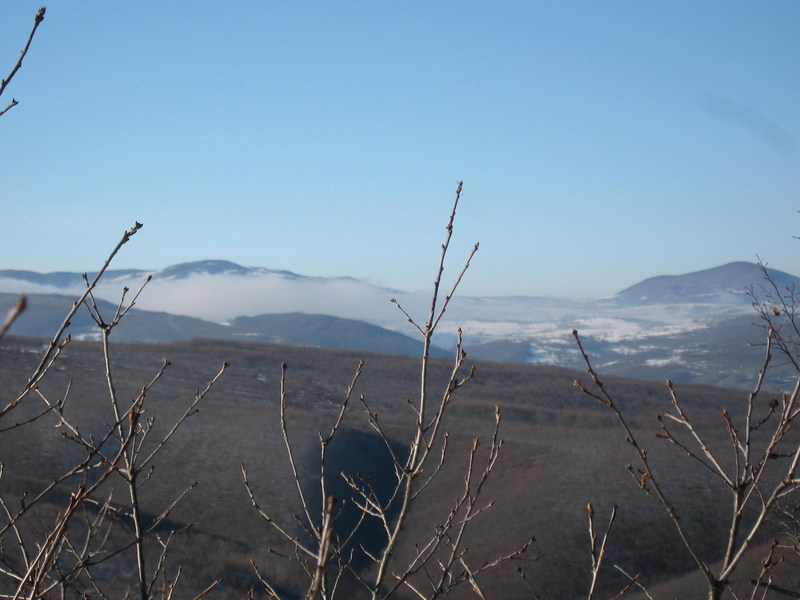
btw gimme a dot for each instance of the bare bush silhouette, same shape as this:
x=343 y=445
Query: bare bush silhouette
x=60 y=536
x=760 y=471
x=778 y=305
x=437 y=564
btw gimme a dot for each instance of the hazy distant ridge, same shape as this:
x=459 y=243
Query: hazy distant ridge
x=668 y=325
x=704 y=286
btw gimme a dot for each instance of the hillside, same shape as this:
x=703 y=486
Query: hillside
x=561 y=451
x=45 y=312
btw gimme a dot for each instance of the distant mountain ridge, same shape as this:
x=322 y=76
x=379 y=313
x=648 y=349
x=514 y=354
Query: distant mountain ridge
x=669 y=325
x=179 y=271
x=703 y=286
x=61 y=279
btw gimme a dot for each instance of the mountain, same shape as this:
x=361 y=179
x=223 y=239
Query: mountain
x=696 y=327
x=216 y=267
x=725 y=284
x=69 y=281
x=220 y=291
x=61 y=279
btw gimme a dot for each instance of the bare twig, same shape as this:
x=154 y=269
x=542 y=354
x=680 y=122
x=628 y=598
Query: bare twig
x=597 y=555
x=56 y=341
x=12 y=315
x=37 y=20
x=326 y=536
x=746 y=482
x=439 y=562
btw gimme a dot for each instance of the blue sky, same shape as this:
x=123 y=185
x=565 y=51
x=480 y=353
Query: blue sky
x=599 y=142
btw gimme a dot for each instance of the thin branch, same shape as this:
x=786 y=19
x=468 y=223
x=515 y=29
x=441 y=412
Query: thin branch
x=190 y=409
x=37 y=20
x=288 y=446
x=647 y=473
x=455 y=286
x=326 y=536
x=56 y=341
x=13 y=313
x=598 y=556
x=286 y=535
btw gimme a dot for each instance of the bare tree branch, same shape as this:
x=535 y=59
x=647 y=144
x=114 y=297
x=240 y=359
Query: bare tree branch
x=37 y=20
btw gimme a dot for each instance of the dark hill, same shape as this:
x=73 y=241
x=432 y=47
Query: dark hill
x=45 y=314
x=323 y=331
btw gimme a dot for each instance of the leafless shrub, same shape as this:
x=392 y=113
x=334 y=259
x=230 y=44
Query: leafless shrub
x=760 y=471
x=435 y=566
x=44 y=549
x=778 y=306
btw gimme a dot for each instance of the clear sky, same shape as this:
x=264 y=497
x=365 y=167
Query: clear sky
x=600 y=143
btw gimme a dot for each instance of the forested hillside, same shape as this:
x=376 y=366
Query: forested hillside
x=561 y=451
